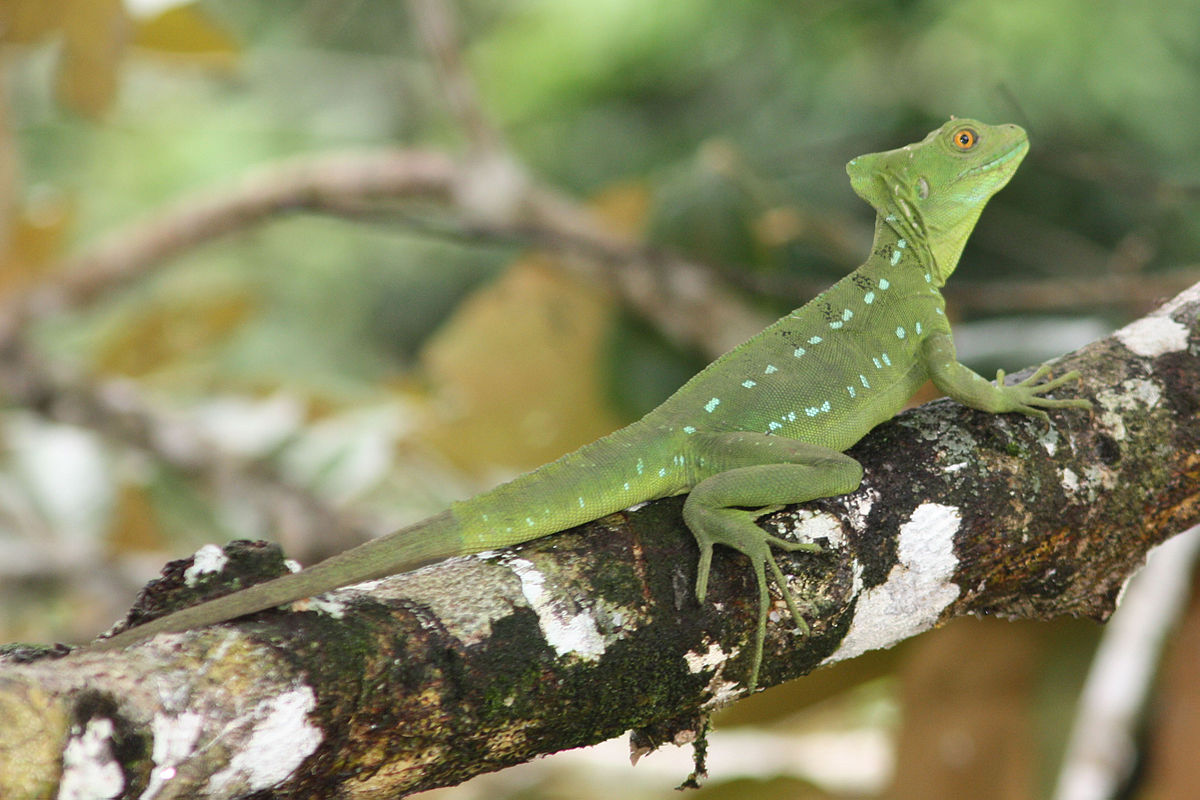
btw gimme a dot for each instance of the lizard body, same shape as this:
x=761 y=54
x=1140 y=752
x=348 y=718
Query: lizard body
x=762 y=426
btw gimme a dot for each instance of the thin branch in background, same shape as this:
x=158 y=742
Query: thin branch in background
x=115 y=410
x=1130 y=292
x=303 y=184
x=1102 y=749
x=438 y=27
x=684 y=299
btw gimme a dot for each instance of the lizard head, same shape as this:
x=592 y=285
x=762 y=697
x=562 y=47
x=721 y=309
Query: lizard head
x=933 y=191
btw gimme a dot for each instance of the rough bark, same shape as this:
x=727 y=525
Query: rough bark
x=428 y=678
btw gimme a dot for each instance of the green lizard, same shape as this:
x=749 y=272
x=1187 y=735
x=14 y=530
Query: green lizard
x=762 y=426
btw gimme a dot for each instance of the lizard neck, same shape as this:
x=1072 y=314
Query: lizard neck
x=899 y=257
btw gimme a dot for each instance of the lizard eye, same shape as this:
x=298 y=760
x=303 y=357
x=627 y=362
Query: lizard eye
x=965 y=138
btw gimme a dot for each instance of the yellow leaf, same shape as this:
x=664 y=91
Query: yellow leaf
x=188 y=32
x=95 y=34
x=172 y=331
x=25 y=21
x=134 y=526
x=36 y=238
x=623 y=207
x=518 y=372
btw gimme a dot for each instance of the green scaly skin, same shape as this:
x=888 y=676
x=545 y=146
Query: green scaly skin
x=762 y=426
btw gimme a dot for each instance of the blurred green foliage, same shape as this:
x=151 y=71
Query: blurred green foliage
x=593 y=92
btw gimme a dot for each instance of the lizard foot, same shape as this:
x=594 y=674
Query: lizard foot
x=736 y=528
x=1026 y=396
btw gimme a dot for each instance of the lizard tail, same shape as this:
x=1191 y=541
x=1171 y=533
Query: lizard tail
x=426 y=542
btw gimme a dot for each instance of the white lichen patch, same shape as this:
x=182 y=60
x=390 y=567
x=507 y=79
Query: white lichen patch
x=89 y=769
x=565 y=631
x=1049 y=441
x=457 y=595
x=174 y=740
x=326 y=604
x=208 y=559
x=1186 y=297
x=1153 y=336
x=276 y=738
x=1100 y=476
x=816 y=526
x=1070 y=480
x=859 y=505
x=1129 y=396
x=710 y=659
x=917 y=589
x=722 y=691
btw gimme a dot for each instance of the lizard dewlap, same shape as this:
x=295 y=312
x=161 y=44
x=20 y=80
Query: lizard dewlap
x=765 y=424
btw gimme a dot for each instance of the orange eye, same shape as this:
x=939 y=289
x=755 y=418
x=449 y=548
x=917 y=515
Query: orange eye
x=965 y=138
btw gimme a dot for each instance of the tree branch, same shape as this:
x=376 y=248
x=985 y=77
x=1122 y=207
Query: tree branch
x=438 y=26
x=314 y=184
x=428 y=678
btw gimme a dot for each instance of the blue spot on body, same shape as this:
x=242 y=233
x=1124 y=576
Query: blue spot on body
x=886 y=360
x=901 y=244
x=799 y=351
x=883 y=283
x=773 y=425
x=641 y=466
x=869 y=298
x=815 y=340
x=863 y=380
x=826 y=406
x=846 y=315
x=581 y=502
x=918 y=329
x=662 y=472
x=835 y=325
x=850 y=389
x=688 y=429
x=770 y=368
x=895 y=257
x=749 y=384
x=928 y=278
x=712 y=404
x=877 y=364
x=900 y=333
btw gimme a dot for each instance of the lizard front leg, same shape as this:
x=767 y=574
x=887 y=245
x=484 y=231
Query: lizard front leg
x=750 y=474
x=972 y=389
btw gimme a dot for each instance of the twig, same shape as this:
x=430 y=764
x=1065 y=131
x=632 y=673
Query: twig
x=306 y=184
x=1102 y=748
x=435 y=20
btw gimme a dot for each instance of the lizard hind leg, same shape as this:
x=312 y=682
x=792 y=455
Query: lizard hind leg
x=722 y=509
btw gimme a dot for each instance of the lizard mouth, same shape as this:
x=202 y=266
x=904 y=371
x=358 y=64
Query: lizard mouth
x=1018 y=150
